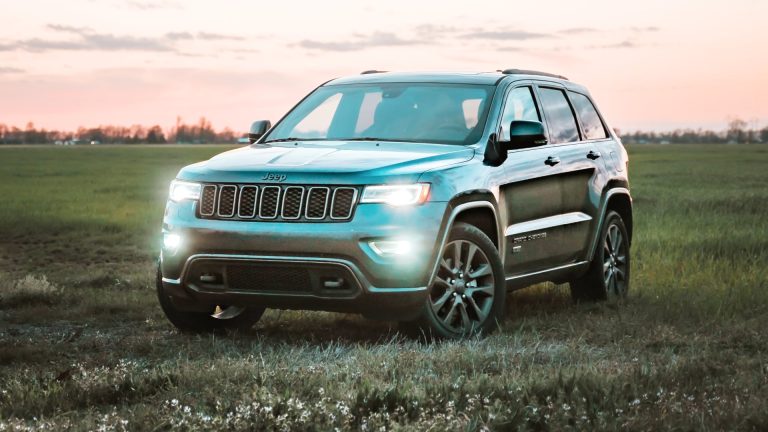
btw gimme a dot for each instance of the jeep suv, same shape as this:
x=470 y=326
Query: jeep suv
x=420 y=198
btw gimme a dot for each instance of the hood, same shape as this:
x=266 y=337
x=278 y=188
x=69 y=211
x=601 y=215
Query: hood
x=331 y=158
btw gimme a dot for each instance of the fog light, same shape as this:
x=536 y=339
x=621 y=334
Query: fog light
x=391 y=247
x=171 y=242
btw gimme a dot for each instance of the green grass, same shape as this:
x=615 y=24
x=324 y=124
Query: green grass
x=83 y=344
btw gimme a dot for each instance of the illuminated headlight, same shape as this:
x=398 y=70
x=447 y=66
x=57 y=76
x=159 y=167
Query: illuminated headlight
x=396 y=195
x=171 y=242
x=390 y=247
x=182 y=190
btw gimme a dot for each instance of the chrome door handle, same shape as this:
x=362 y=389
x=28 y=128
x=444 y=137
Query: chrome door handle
x=552 y=161
x=593 y=155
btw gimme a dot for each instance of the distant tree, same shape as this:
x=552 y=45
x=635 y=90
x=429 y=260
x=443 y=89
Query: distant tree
x=737 y=130
x=155 y=135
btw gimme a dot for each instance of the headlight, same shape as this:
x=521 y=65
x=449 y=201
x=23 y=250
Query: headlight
x=396 y=195
x=182 y=190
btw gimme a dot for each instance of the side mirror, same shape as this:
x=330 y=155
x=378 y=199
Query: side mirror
x=258 y=129
x=524 y=133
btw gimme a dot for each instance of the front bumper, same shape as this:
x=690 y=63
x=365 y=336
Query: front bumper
x=314 y=266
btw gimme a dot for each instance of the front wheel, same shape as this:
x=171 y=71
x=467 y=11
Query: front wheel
x=219 y=317
x=608 y=274
x=467 y=295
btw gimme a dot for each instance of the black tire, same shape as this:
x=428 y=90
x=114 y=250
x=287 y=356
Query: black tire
x=465 y=299
x=204 y=322
x=608 y=275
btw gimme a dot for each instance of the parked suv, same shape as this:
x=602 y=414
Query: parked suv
x=419 y=198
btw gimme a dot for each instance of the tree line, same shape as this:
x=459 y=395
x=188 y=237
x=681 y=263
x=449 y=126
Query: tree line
x=202 y=132
x=738 y=132
x=199 y=133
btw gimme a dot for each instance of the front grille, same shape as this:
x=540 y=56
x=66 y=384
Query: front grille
x=341 y=204
x=227 y=201
x=281 y=203
x=270 y=196
x=292 y=202
x=268 y=278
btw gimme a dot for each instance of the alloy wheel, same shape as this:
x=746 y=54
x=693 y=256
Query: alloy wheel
x=615 y=262
x=462 y=293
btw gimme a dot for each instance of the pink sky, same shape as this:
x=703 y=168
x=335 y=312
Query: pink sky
x=650 y=65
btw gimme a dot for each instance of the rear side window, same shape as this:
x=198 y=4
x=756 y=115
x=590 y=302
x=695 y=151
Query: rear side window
x=590 y=121
x=562 y=124
x=519 y=106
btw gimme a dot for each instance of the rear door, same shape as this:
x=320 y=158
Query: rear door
x=586 y=156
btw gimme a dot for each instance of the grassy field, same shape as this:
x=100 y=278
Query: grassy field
x=84 y=345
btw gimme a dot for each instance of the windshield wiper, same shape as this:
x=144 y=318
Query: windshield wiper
x=285 y=140
x=366 y=139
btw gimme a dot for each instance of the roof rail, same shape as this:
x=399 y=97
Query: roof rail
x=530 y=72
x=372 y=71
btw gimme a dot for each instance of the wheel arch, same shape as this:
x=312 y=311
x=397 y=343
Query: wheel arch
x=478 y=209
x=619 y=200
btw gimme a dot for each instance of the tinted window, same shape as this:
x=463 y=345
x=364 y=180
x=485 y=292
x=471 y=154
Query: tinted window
x=562 y=124
x=519 y=106
x=590 y=121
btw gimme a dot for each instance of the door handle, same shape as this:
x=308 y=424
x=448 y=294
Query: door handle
x=552 y=161
x=593 y=155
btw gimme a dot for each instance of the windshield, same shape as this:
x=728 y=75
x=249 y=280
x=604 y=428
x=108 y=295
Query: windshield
x=414 y=112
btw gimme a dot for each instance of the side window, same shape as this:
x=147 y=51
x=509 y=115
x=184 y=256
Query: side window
x=519 y=106
x=590 y=120
x=562 y=124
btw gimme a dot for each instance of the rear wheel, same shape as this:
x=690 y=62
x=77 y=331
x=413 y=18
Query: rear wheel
x=608 y=274
x=219 y=317
x=468 y=293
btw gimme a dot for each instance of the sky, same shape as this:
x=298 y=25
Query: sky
x=650 y=65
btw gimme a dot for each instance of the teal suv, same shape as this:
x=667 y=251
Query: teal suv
x=412 y=197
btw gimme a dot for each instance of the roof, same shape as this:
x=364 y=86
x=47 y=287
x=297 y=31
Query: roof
x=415 y=77
x=487 y=78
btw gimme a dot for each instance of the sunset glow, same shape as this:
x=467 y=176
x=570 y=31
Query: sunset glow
x=652 y=65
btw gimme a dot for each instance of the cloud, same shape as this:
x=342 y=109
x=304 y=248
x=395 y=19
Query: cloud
x=68 y=29
x=202 y=36
x=648 y=29
x=217 y=36
x=623 y=44
x=10 y=70
x=359 y=42
x=579 y=30
x=150 y=5
x=432 y=30
x=505 y=35
x=180 y=36
x=87 y=39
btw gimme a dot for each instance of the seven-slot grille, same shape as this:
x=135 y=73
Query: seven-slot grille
x=273 y=202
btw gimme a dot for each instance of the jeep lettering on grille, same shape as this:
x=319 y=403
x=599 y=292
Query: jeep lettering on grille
x=274 y=177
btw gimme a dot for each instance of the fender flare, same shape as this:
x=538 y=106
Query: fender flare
x=455 y=211
x=603 y=210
